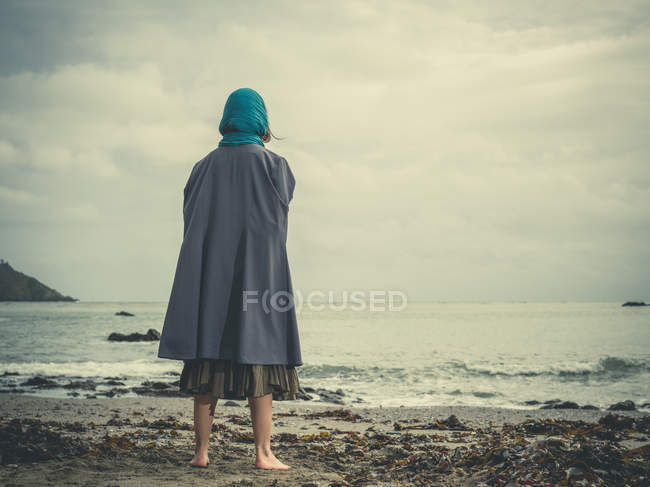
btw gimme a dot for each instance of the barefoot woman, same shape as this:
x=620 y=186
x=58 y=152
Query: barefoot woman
x=230 y=316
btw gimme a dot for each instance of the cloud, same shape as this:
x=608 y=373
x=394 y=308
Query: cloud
x=454 y=150
x=18 y=196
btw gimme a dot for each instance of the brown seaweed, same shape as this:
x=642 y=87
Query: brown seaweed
x=541 y=452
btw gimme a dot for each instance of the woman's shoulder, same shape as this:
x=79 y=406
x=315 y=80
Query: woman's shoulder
x=274 y=155
x=254 y=156
x=246 y=151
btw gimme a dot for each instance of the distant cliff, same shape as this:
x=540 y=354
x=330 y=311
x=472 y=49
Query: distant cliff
x=16 y=286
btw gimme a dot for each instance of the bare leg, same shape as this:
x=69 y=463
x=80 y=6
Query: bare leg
x=261 y=414
x=204 y=405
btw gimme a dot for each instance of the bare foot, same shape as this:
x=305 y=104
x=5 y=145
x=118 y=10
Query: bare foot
x=200 y=460
x=270 y=462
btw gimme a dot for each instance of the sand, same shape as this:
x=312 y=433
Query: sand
x=149 y=441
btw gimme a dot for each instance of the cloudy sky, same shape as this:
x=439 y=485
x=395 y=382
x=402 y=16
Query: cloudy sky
x=452 y=150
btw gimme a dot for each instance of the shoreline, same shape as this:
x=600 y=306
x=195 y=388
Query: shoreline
x=25 y=405
x=148 y=440
x=114 y=387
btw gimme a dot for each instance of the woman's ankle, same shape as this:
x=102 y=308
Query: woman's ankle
x=263 y=451
x=201 y=452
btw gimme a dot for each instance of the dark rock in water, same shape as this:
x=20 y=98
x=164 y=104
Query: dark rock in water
x=114 y=383
x=333 y=400
x=9 y=373
x=165 y=389
x=41 y=382
x=302 y=394
x=81 y=384
x=330 y=396
x=532 y=402
x=325 y=394
x=551 y=401
x=150 y=336
x=634 y=303
x=124 y=313
x=231 y=404
x=623 y=406
x=561 y=405
x=156 y=385
x=16 y=286
x=588 y=406
x=115 y=391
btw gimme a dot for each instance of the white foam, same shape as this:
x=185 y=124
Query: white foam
x=133 y=368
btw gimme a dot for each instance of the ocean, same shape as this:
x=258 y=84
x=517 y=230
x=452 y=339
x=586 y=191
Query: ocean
x=430 y=353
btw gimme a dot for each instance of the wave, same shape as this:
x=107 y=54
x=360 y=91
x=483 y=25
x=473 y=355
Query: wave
x=479 y=394
x=605 y=367
x=131 y=368
x=350 y=372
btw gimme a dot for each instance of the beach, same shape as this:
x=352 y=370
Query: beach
x=147 y=440
x=466 y=394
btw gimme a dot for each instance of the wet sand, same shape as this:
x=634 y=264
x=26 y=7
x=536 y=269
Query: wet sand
x=150 y=440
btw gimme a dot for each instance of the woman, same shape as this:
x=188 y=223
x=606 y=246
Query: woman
x=230 y=316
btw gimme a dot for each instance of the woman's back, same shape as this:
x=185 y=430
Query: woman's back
x=233 y=265
x=240 y=183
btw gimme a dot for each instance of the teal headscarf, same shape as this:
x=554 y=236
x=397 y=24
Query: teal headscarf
x=244 y=118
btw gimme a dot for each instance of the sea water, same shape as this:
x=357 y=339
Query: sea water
x=429 y=353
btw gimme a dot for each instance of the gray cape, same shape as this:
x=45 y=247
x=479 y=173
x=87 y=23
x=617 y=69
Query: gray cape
x=232 y=281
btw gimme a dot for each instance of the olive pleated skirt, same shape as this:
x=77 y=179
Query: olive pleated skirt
x=228 y=379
